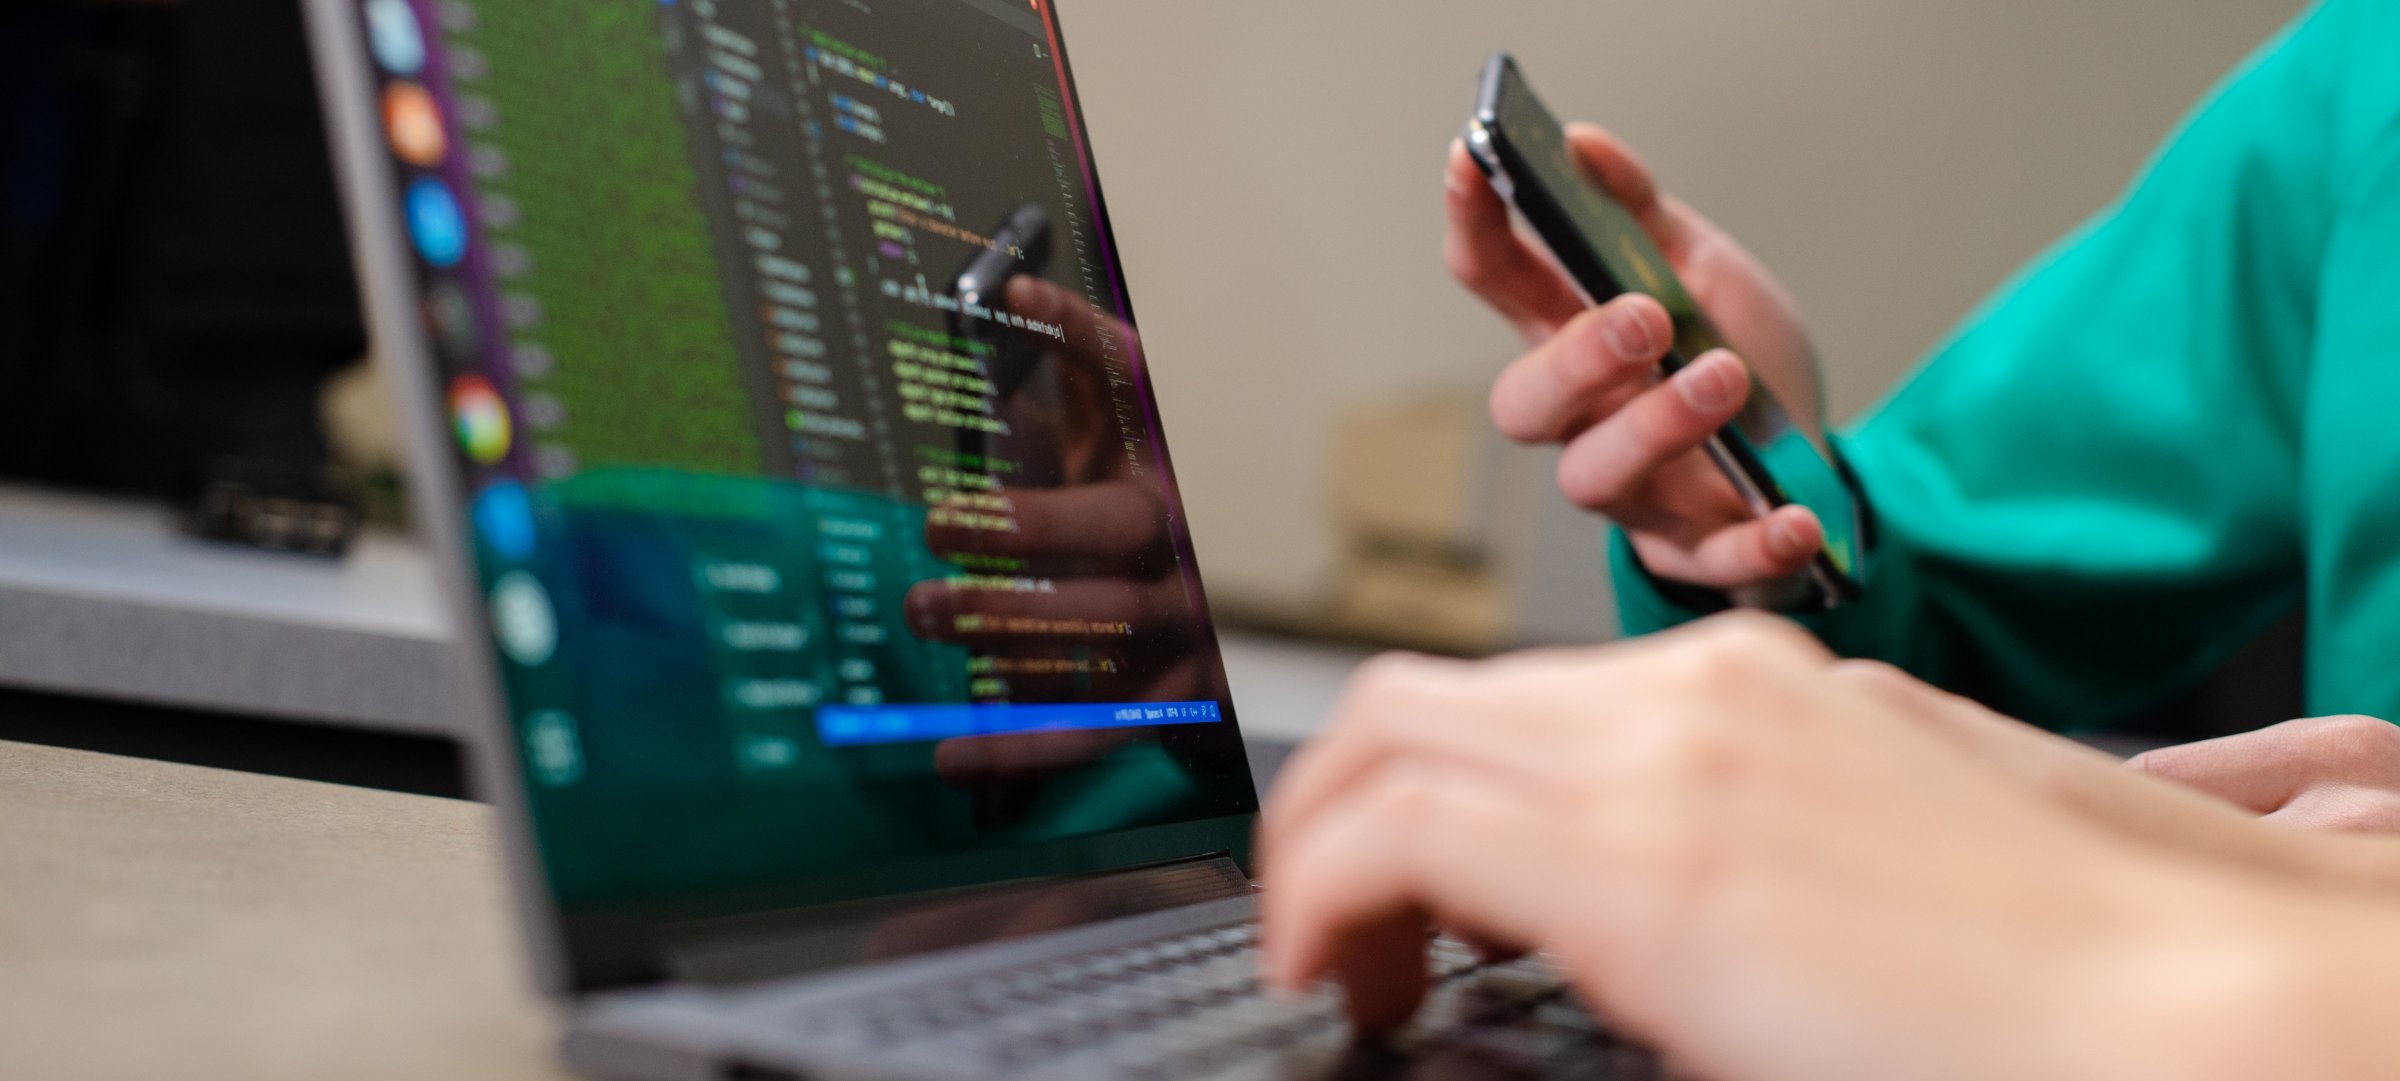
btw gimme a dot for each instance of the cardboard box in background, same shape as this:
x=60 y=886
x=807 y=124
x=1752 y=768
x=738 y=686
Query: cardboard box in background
x=1450 y=539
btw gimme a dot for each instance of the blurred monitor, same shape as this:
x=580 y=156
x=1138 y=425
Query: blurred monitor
x=175 y=284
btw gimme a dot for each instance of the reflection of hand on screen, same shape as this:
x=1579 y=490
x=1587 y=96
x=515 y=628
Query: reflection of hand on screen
x=1091 y=606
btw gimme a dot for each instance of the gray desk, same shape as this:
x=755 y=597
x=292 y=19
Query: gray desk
x=103 y=597
x=170 y=921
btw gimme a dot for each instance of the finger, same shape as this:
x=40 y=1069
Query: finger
x=1118 y=523
x=1487 y=255
x=1090 y=337
x=2256 y=771
x=1611 y=460
x=1492 y=951
x=2341 y=808
x=1571 y=376
x=1355 y=889
x=1395 y=704
x=2264 y=770
x=1779 y=545
x=1609 y=163
x=1467 y=716
x=1379 y=959
x=1456 y=713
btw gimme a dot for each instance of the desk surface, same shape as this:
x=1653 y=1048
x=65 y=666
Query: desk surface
x=161 y=920
x=170 y=921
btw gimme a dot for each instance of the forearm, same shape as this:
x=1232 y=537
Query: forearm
x=2249 y=977
x=2171 y=971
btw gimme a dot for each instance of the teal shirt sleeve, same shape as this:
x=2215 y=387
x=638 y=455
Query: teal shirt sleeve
x=2091 y=495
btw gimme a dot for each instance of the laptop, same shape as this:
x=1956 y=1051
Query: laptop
x=845 y=686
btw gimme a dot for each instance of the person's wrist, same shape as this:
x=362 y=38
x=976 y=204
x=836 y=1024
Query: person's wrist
x=2196 y=976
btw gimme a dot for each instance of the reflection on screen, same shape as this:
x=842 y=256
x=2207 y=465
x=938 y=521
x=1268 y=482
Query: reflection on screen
x=819 y=504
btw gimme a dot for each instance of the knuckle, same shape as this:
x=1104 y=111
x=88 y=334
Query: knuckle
x=1874 y=676
x=1386 y=683
x=1752 y=632
x=1411 y=797
x=1386 y=670
x=1701 y=660
x=2355 y=741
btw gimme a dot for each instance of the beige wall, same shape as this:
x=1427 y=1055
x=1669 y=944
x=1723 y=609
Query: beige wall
x=1274 y=169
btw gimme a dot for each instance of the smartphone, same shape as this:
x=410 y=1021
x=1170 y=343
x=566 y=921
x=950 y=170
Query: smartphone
x=1772 y=461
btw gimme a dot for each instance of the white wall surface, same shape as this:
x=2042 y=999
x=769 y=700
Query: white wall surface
x=1274 y=169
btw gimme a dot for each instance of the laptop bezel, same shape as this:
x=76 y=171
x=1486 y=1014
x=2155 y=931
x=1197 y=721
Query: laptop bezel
x=402 y=356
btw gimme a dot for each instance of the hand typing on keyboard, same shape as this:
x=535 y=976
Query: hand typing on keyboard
x=1189 y=1007
x=1756 y=858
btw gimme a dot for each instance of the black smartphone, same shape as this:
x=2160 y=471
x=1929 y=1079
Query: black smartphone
x=1772 y=461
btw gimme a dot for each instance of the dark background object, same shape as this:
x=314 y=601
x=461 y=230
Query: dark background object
x=423 y=765
x=175 y=285
x=2264 y=684
x=277 y=506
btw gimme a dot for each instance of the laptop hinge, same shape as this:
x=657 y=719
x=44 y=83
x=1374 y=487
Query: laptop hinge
x=748 y=949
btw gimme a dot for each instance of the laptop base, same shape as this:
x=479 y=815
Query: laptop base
x=1170 y=995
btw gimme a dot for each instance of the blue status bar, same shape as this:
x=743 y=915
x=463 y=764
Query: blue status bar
x=863 y=726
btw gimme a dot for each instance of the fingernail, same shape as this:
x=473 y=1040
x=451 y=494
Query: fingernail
x=1787 y=538
x=1708 y=385
x=1629 y=335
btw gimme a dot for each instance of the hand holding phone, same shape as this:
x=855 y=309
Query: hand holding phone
x=1666 y=431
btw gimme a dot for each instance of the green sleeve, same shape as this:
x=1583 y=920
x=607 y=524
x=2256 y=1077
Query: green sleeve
x=2090 y=496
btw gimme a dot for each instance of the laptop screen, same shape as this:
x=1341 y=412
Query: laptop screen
x=820 y=511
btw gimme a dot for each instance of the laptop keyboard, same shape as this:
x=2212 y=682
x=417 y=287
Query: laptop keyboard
x=1192 y=1007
